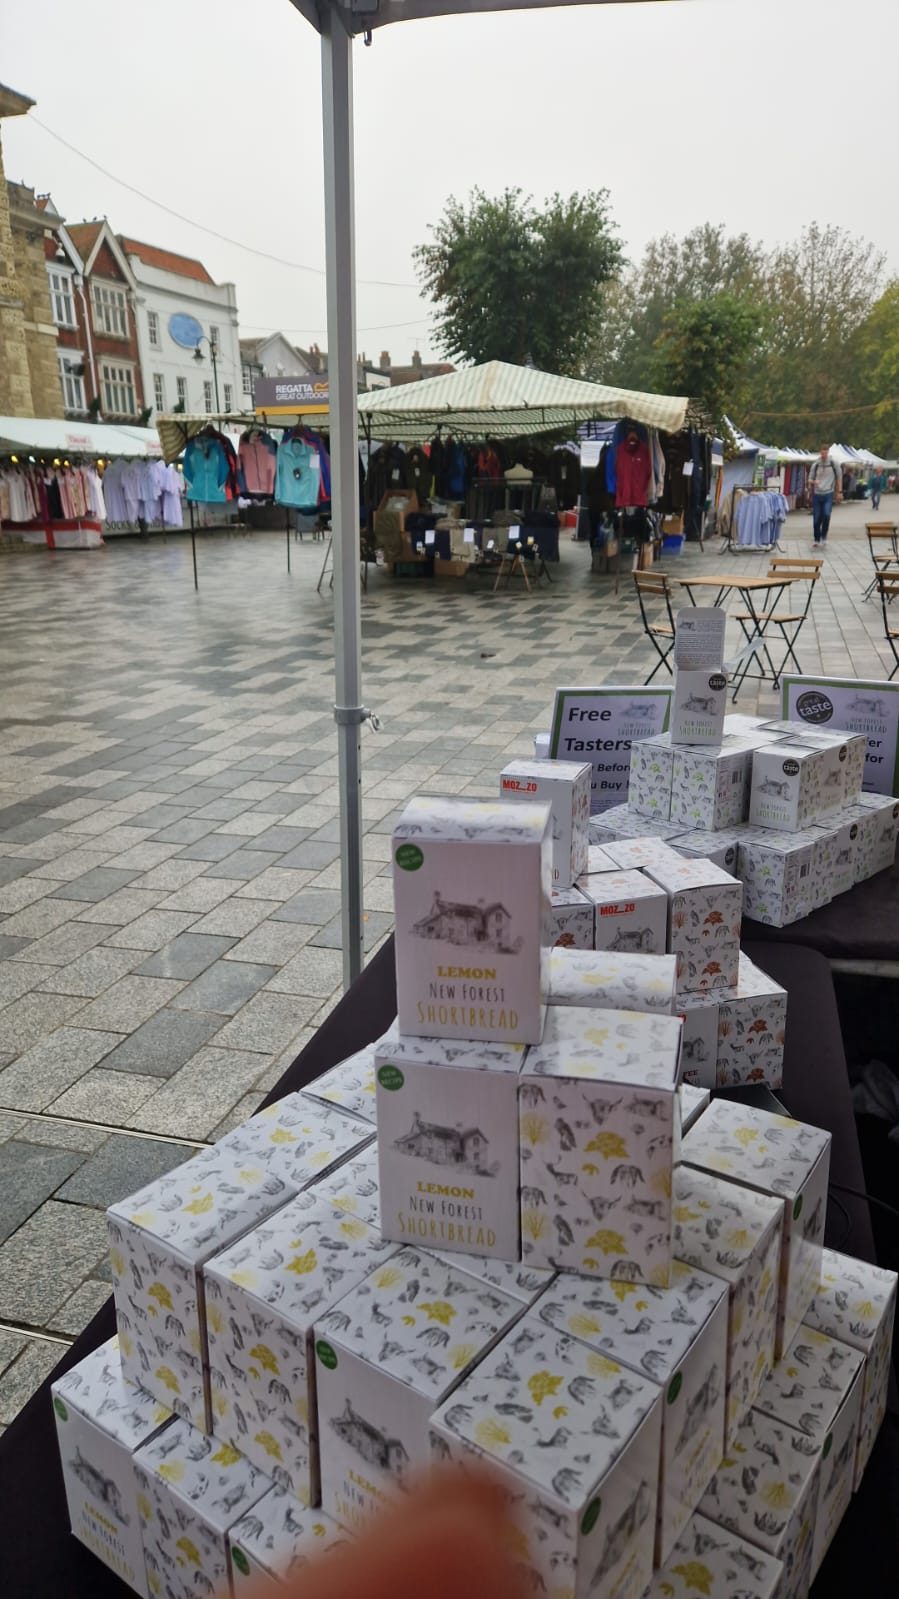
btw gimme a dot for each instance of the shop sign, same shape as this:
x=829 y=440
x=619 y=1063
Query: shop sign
x=852 y=705
x=297 y=393
x=599 y=725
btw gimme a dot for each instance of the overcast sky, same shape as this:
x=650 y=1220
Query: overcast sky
x=763 y=114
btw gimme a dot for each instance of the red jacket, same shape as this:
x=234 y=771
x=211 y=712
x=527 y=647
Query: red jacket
x=632 y=472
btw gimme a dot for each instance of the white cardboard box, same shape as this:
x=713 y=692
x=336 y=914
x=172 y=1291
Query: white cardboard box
x=565 y=787
x=512 y=1277
x=297 y=1138
x=704 y=909
x=878 y=816
x=572 y=919
x=386 y=1356
x=721 y=847
x=352 y=1187
x=101 y=1419
x=817 y=1390
x=350 y=1086
x=471 y=886
x=709 y=1560
x=698 y=704
x=693 y=1101
x=677 y=1337
x=794 y=784
x=710 y=786
x=779 y=1156
x=856 y=1303
x=574 y=1438
x=699 y=1013
x=620 y=821
x=448 y=1144
x=649 y=784
x=599 y=859
x=777 y=871
x=600 y=1124
x=736 y=1236
x=839 y=842
x=752 y=1022
x=274 y=1540
x=855 y=745
x=191 y=1490
x=630 y=913
x=633 y=854
x=611 y=981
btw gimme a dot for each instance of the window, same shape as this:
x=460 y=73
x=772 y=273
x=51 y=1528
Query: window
x=215 y=337
x=159 y=391
x=229 y=397
x=153 y=328
x=182 y=392
x=118 y=389
x=110 y=310
x=207 y=398
x=70 y=372
x=246 y=378
x=61 y=299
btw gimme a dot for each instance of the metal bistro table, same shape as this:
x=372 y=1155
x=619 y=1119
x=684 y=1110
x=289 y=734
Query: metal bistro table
x=755 y=647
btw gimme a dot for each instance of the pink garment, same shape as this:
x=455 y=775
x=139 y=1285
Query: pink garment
x=257 y=462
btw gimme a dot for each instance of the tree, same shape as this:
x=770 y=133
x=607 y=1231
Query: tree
x=514 y=283
x=877 y=354
x=704 y=349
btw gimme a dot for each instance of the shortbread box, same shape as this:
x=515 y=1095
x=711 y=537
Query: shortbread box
x=710 y=786
x=101 y=1419
x=298 y=1138
x=387 y=1355
x=742 y=723
x=791 y=785
x=677 y=1337
x=649 y=784
x=878 y=816
x=620 y=821
x=855 y=744
x=448 y=1144
x=736 y=1236
x=693 y=1101
x=274 y=1540
x=752 y=1022
x=600 y=1124
x=777 y=871
x=709 y=1560
x=471 y=886
x=159 y=1240
x=598 y=860
x=778 y=1156
x=565 y=788
x=262 y=1297
x=350 y=1086
x=352 y=1187
x=835 y=862
x=191 y=1491
x=817 y=1390
x=633 y=854
x=512 y=1277
x=574 y=1439
x=856 y=1303
x=699 y=1014
x=766 y=1492
x=697 y=707
x=720 y=847
x=612 y=981
x=704 y=910
x=630 y=913
x=572 y=919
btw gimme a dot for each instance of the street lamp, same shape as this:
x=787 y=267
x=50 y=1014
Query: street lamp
x=213 y=352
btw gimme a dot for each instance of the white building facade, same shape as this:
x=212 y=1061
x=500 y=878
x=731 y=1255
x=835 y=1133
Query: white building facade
x=181 y=311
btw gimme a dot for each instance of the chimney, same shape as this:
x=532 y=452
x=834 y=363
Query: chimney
x=416 y=360
x=385 y=361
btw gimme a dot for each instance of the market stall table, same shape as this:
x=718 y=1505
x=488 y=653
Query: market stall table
x=754 y=627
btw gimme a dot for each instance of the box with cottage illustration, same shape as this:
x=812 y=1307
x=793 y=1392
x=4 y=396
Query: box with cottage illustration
x=350 y=1086
x=777 y=871
x=574 y=1438
x=274 y=1540
x=565 y=787
x=698 y=703
x=778 y=1156
x=693 y=1101
x=710 y=786
x=572 y=919
x=630 y=913
x=613 y=981
x=448 y=1144
x=709 y=1560
x=471 y=887
x=794 y=784
x=855 y=745
x=513 y=1277
x=649 y=783
x=752 y=1022
x=704 y=910
x=599 y=1129
x=699 y=1014
x=856 y=1303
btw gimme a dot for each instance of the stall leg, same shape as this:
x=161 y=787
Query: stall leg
x=287 y=531
x=193 y=546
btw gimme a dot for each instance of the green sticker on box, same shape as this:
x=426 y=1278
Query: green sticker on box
x=409 y=857
x=390 y=1077
x=60 y=1409
x=239 y=1559
x=326 y=1355
x=674 y=1387
x=591 y=1516
x=797 y=1208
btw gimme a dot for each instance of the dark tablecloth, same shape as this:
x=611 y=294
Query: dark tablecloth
x=860 y=925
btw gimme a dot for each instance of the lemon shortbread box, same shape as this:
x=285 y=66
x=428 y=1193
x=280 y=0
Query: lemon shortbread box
x=191 y=1491
x=513 y=1277
x=781 y=1157
x=101 y=1419
x=630 y=913
x=778 y=873
x=649 y=783
x=677 y=1337
x=574 y=1439
x=720 y=847
x=448 y=1144
x=600 y=1122
x=349 y=1086
x=387 y=1355
x=704 y=909
x=736 y=1236
x=298 y=1138
x=856 y=1303
x=794 y=784
x=623 y=822
x=271 y=1543
x=613 y=981
x=471 y=887
x=352 y=1187
x=565 y=787
x=262 y=1296
x=709 y=1560
x=572 y=919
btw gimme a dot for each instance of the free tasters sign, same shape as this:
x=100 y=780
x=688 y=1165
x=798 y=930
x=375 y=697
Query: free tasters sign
x=600 y=725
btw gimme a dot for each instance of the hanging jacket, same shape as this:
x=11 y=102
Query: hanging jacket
x=257 y=458
x=206 y=471
x=419 y=471
x=633 y=468
x=298 y=474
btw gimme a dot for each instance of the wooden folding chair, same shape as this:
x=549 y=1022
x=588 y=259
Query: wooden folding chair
x=789 y=569
x=883 y=544
x=888 y=589
x=654 y=586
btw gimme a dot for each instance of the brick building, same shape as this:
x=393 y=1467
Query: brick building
x=93 y=294
x=29 y=373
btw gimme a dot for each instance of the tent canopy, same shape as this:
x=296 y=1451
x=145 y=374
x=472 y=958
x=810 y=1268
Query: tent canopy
x=175 y=429
x=360 y=15
x=501 y=401
x=56 y=436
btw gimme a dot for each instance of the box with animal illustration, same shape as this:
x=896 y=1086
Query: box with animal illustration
x=612 y=981
x=101 y=1419
x=634 y=854
x=855 y=744
x=598 y=860
x=752 y=1023
x=565 y=787
x=298 y=1138
x=572 y=919
x=707 y=1559
x=735 y=1235
x=677 y=1337
x=600 y=1123
x=778 y=1156
x=878 y=819
x=262 y=1297
x=699 y=1014
x=471 y=887
x=698 y=703
x=622 y=822
x=191 y=1491
x=273 y=1541
x=794 y=784
x=777 y=871
x=835 y=859
x=448 y=1144
x=704 y=910
x=352 y=1187
x=649 y=783
x=574 y=1439
x=710 y=787
x=350 y=1086
x=512 y=1277
x=856 y=1303
x=693 y=1101
x=816 y=1390
x=719 y=847
x=766 y=1491
x=630 y=913
x=387 y=1355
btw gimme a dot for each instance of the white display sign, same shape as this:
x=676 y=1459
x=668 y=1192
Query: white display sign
x=599 y=725
x=852 y=705
x=591 y=450
x=699 y=638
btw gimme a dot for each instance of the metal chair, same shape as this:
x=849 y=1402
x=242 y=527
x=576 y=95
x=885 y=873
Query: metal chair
x=655 y=586
x=883 y=544
x=888 y=589
x=789 y=569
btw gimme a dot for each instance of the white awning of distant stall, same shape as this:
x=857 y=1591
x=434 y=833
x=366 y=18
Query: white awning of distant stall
x=56 y=437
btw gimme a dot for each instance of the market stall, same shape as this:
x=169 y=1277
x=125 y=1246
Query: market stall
x=70 y=484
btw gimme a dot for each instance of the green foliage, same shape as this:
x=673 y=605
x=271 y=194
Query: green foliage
x=876 y=349
x=704 y=349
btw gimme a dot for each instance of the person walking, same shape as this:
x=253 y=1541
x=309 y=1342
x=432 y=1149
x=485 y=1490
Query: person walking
x=875 y=484
x=826 y=485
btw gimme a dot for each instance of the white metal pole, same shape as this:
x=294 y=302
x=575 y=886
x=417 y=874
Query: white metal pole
x=349 y=712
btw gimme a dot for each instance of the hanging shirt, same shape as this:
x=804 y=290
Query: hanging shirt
x=205 y=471
x=298 y=475
x=172 y=507
x=632 y=472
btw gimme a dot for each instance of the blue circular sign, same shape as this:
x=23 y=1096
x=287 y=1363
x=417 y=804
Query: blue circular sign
x=185 y=330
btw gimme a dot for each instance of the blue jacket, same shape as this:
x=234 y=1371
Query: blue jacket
x=298 y=475
x=205 y=471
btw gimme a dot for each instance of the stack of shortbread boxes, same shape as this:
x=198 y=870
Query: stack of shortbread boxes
x=503 y=1232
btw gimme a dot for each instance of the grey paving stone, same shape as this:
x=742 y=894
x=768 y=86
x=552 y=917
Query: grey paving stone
x=167 y=1040
x=374 y=925
x=314 y=971
x=25 y=1375
x=45 y=1070
x=106 y=1097
x=24 y=891
x=92 y=972
x=272 y=942
x=214 y=847
x=236 y=917
x=275 y=883
x=10 y=1125
x=11 y=1345
x=280 y=838
x=249 y=824
x=126 y=1004
x=11 y=946
x=187 y=831
x=56 y=1134
x=311 y=853
x=29 y=1174
x=171 y=875
x=121 y=1167
x=32 y=1017
x=152 y=930
x=66 y=944
x=186 y=956
x=240 y=1113
x=143 y=857
x=267 y=1023
x=96 y=884
x=244 y=864
x=203 y=894
x=223 y=810
x=200 y=1095
x=223 y=988
x=41 y=917
x=124 y=906
x=73 y=1316
x=315 y=905
x=11 y=868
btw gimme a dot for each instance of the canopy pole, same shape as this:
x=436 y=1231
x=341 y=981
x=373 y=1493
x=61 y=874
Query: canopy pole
x=349 y=713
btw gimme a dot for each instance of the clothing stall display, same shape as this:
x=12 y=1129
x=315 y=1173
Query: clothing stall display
x=141 y=493
x=759 y=517
x=257 y=456
x=303 y=471
x=210 y=468
x=65 y=493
